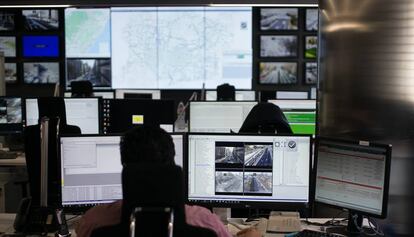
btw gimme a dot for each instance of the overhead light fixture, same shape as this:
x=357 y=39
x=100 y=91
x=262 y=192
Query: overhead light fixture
x=263 y=5
x=34 y=6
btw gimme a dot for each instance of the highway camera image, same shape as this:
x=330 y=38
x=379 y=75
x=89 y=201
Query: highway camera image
x=10 y=111
x=229 y=155
x=278 y=46
x=229 y=182
x=258 y=155
x=278 y=73
x=258 y=182
x=41 y=19
x=279 y=19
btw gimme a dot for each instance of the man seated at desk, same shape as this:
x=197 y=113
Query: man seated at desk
x=158 y=147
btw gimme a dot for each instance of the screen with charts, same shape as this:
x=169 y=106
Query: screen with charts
x=218 y=116
x=81 y=112
x=301 y=114
x=240 y=95
x=248 y=169
x=11 y=115
x=91 y=168
x=181 y=47
x=352 y=175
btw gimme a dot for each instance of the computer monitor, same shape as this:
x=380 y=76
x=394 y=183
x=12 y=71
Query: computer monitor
x=91 y=168
x=301 y=114
x=81 y=112
x=218 y=116
x=289 y=95
x=121 y=115
x=353 y=175
x=102 y=94
x=138 y=94
x=236 y=170
x=241 y=95
x=11 y=115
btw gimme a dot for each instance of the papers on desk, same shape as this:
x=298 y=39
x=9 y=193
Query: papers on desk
x=283 y=222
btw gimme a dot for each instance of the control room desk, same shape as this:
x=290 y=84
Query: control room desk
x=19 y=161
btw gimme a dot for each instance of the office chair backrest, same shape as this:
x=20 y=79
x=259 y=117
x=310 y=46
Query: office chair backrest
x=266 y=118
x=153 y=185
x=226 y=92
x=81 y=88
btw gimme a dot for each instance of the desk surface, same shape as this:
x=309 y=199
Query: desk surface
x=19 y=161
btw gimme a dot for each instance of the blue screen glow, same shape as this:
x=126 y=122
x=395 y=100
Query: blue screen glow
x=40 y=46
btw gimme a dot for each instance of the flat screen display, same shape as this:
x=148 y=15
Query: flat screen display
x=41 y=46
x=181 y=47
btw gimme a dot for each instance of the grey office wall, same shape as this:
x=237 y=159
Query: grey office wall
x=366 y=86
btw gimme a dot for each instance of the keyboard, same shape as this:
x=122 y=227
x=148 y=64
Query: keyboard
x=313 y=233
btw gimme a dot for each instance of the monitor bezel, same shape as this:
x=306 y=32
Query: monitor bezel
x=212 y=102
x=285 y=206
x=100 y=106
x=388 y=156
x=16 y=128
x=81 y=208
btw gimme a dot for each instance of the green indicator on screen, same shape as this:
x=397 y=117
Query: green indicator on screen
x=300 y=117
x=303 y=128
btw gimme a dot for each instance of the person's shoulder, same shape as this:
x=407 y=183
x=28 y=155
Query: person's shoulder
x=196 y=209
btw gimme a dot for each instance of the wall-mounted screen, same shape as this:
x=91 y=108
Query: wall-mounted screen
x=41 y=46
x=311 y=46
x=312 y=19
x=8 y=46
x=278 y=46
x=41 y=19
x=278 y=73
x=311 y=73
x=87 y=33
x=41 y=73
x=6 y=21
x=181 y=47
x=97 y=71
x=10 y=72
x=279 y=19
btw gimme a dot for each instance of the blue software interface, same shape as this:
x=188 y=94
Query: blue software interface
x=41 y=46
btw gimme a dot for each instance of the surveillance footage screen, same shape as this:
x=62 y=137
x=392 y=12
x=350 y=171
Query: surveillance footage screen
x=278 y=46
x=97 y=71
x=10 y=115
x=248 y=168
x=278 y=73
x=279 y=19
x=181 y=47
x=41 y=73
x=41 y=19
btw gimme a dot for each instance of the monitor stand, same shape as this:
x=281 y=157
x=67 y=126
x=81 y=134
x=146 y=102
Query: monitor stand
x=353 y=229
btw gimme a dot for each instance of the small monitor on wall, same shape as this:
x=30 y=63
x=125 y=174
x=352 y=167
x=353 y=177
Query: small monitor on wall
x=41 y=46
x=11 y=119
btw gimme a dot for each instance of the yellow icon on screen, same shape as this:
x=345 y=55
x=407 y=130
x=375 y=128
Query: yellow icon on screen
x=137 y=119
